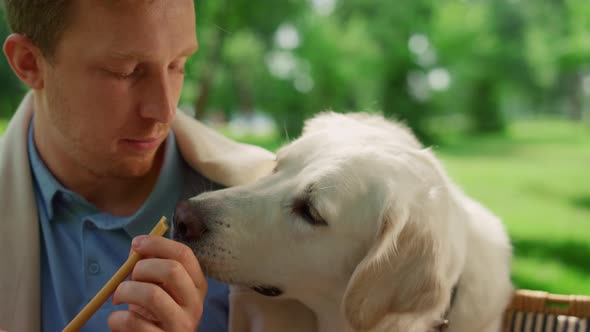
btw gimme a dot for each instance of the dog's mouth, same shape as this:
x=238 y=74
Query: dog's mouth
x=268 y=290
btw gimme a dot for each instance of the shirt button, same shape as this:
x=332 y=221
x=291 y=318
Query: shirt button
x=94 y=267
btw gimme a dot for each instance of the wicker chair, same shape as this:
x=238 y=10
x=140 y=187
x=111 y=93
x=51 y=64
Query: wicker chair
x=537 y=311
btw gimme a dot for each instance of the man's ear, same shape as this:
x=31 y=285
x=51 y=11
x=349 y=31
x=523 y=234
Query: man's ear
x=400 y=274
x=25 y=59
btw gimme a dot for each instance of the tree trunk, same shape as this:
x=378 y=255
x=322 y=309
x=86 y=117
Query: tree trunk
x=398 y=102
x=210 y=67
x=575 y=97
x=484 y=111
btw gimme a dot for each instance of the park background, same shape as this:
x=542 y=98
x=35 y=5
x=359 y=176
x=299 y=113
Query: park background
x=500 y=89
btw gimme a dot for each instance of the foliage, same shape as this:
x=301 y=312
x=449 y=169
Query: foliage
x=11 y=90
x=483 y=62
x=535 y=178
x=3 y=125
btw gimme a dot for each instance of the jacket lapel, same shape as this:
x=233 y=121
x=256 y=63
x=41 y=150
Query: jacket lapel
x=19 y=229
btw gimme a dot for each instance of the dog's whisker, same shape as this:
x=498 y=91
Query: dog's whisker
x=286 y=132
x=327 y=187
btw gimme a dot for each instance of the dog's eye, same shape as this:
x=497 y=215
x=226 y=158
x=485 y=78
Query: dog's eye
x=307 y=211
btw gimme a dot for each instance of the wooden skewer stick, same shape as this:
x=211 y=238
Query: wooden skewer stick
x=109 y=288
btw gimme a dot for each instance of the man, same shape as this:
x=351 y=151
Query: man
x=94 y=156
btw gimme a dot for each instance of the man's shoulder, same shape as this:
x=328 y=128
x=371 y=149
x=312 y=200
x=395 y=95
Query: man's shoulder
x=5 y=141
x=4 y=134
x=10 y=139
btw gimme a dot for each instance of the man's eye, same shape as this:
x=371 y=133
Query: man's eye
x=178 y=68
x=307 y=211
x=127 y=75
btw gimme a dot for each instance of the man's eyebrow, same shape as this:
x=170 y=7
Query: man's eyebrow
x=133 y=55
x=126 y=55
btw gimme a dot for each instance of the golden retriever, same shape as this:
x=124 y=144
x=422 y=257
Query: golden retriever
x=362 y=226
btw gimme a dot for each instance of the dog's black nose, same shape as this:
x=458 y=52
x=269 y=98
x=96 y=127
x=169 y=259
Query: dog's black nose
x=188 y=226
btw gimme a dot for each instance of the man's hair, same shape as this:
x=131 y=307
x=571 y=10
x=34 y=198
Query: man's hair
x=42 y=21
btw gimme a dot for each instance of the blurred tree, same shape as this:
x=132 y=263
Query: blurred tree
x=11 y=89
x=335 y=68
x=391 y=27
x=574 y=52
x=482 y=62
x=233 y=36
x=558 y=51
x=482 y=44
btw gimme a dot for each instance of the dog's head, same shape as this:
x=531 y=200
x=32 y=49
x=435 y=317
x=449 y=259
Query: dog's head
x=355 y=210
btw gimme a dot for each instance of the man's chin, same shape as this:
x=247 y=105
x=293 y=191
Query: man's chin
x=132 y=168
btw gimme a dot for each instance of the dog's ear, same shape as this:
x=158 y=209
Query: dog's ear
x=398 y=275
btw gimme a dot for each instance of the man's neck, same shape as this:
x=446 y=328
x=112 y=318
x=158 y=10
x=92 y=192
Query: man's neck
x=119 y=196
x=115 y=195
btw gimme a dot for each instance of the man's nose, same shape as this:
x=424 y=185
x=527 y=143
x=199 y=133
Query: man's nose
x=158 y=102
x=188 y=225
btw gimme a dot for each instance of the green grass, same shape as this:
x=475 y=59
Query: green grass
x=536 y=177
x=3 y=124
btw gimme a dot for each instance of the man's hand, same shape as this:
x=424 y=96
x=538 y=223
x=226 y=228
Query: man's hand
x=166 y=292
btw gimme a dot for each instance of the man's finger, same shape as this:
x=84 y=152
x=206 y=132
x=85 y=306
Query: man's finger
x=159 y=247
x=123 y=321
x=172 y=277
x=149 y=296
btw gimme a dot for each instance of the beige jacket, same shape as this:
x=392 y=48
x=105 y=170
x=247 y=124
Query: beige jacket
x=216 y=157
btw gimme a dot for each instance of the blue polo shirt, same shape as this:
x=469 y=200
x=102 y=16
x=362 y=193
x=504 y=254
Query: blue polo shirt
x=82 y=247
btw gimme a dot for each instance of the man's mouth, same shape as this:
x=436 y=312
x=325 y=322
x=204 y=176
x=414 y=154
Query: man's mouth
x=268 y=291
x=146 y=144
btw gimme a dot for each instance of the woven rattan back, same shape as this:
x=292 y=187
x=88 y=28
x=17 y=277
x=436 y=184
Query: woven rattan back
x=537 y=311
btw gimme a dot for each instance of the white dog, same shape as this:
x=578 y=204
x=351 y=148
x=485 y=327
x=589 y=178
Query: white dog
x=359 y=223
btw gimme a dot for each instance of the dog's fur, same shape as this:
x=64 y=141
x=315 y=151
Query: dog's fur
x=399 y=234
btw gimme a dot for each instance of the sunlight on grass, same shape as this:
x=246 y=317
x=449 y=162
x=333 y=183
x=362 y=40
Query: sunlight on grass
x=550 y=275
x=536 y=179
x=3 y=124
x=551 y=132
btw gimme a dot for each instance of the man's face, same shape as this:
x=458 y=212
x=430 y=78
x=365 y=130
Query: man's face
x=112 y=89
